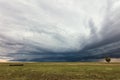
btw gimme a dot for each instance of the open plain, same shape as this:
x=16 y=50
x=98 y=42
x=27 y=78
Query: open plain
x=60 y=71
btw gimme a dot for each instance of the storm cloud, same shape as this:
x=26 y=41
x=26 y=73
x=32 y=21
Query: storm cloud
x=57 y=30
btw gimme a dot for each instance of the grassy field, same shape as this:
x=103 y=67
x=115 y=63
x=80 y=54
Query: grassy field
x=60 y=71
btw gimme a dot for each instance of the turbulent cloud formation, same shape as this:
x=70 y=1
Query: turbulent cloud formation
x=57 y=30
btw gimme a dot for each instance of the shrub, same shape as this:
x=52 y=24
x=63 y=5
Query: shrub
x=16 y=64
x=108 y=59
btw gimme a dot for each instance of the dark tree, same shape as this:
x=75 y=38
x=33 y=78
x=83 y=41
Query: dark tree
x=108 y=59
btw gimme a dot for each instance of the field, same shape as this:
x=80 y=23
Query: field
x=60 y=71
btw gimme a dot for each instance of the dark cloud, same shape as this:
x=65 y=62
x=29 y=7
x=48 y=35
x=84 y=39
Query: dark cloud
x=43 y=30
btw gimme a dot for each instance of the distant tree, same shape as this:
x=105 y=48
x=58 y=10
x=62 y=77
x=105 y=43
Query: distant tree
x=108 y=59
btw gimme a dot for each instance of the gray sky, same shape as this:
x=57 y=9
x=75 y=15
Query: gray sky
x=55 y=26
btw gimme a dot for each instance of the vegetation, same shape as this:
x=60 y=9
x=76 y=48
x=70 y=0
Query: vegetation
x=108 y=59
x=60 y=71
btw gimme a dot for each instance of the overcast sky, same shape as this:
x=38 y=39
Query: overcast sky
x=31 y=29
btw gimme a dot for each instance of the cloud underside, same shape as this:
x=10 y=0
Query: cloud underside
x=62 y=30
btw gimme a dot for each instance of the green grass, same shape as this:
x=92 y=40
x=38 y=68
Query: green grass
x=60 y=71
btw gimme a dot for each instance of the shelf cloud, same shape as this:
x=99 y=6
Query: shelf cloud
x=56 y=30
